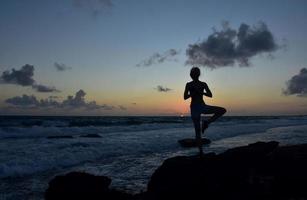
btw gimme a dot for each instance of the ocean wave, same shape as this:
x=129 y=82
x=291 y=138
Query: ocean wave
x=27 y=149
x=21 y=121
x=36 y=127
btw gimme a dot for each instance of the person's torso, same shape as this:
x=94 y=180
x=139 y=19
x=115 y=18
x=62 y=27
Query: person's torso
x=196 y=89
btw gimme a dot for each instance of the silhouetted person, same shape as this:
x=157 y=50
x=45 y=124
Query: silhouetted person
x=196 y=89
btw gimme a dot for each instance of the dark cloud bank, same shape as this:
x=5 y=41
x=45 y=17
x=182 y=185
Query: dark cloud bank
x=229 y=46
x=24 y=77
x=71 y=102
x=297 y=85
x=160 y=88
x=158 y=58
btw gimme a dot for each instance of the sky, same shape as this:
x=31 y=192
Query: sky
x=133 y=57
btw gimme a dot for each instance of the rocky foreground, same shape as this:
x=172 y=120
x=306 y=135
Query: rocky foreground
x=257 y=171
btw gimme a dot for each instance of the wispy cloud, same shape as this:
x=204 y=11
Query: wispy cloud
x=229 y=46
x=161 y=88
x=94 y=7
x=24 y=77
x=54 y=97
x=61 y=67
x=121 y=107
x=297 y=85
x=158 y=58
x=23 y=101
x=44 y=88
x=71 y=102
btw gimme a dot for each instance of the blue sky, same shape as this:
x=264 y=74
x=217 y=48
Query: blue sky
x=103 y=50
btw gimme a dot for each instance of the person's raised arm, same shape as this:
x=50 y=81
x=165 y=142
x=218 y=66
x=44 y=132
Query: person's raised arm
x=207 y=92
x=186 y=94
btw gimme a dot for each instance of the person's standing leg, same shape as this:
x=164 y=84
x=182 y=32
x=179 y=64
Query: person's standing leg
x=196 y=122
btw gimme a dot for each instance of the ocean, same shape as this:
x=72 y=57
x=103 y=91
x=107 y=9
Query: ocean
x=128 y=150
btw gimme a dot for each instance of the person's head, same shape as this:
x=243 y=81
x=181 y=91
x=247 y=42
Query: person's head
x=195 y=73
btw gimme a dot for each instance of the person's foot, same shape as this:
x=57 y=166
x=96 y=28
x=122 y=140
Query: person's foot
x=204 y=126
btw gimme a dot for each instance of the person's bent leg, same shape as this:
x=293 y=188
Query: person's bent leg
x=217 y=113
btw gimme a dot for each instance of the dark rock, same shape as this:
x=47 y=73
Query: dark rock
x=60 y=137
x=91 y=135
x=251 y=152
x=80 y=185
x=257 y=171
x=189 y=142
x=262 y=170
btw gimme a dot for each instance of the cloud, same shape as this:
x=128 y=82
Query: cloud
x=27 y=101
x=95 y=7
x=122 y=107
x=229 y=46
x=24 y=77
x=23 y=100
x=43 y=88
x=297 y=85
x=71 y=102
x=78 y=101
x=160 y=88
x=61 y=67
x=158 y=58
x=21 y=77
x=53 y=97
